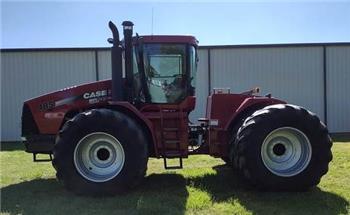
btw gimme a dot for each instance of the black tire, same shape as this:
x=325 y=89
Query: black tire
x=230 y=159
x=110 y=124
x=250 y=153
x=227 y=160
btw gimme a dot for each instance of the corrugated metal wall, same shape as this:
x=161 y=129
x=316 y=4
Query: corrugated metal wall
x=29 y=74
x=104 y=65
x=202 y=87
x=295 y=74
x=338 y=88
x=292 y=73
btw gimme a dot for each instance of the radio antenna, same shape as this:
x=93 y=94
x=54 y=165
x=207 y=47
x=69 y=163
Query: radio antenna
x=152 y=22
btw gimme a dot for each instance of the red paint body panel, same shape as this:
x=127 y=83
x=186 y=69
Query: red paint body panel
x=225 y=107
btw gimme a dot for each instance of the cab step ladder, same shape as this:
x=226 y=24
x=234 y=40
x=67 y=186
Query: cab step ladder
x=175 y=152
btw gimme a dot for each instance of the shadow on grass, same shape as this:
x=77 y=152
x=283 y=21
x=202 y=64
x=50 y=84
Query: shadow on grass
x=224 y=186
x=11 y=146
x=159 y=194
x=166 y=194
x=343 y=138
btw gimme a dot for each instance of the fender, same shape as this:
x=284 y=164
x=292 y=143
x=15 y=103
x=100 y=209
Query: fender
x=250 y=102
x=227 y=110
x=130 y=110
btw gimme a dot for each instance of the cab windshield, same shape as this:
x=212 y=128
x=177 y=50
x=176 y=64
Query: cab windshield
x=165 y=66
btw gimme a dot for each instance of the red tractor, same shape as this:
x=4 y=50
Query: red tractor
x=101 y=134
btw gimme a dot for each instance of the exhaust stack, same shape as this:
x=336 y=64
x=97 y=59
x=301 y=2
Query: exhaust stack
x=117 y=69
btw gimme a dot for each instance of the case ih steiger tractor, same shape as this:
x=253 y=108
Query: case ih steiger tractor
x=101 y=134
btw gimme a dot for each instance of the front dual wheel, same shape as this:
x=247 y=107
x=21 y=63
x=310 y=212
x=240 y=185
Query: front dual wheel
x=100 y=152
x=282 y=147
x=99 y=157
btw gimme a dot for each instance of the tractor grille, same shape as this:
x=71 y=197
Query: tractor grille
x=29 y=126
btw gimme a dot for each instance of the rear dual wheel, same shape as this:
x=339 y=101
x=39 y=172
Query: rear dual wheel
x=282 y=147
x=100 y=152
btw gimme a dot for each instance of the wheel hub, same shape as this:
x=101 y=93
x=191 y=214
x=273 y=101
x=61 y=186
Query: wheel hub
x=99 y=157
x=279 y=149
x=103 y=154
x=286 y=151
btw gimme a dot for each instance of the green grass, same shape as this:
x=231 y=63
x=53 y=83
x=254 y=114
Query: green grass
x=204 y=186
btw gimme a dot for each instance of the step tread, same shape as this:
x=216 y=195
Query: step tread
x=172 y=154
x=171 y=141
x=170 y=129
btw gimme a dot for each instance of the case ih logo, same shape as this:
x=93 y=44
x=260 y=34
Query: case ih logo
x=96 y=94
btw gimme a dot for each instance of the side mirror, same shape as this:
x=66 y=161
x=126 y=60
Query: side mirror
x=110 y=40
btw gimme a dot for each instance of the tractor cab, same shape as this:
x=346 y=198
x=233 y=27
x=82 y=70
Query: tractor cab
x=158 y=69
x=167 y=73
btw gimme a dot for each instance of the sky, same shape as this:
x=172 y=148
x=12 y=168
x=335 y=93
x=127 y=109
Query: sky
x=52 y=24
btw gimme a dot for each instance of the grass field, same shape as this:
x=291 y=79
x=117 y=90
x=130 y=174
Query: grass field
x=204 y=186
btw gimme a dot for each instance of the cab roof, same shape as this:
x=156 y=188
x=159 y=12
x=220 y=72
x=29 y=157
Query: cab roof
x=170 y=39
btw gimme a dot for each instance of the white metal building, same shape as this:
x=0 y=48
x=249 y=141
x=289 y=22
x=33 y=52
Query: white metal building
x=316 y=76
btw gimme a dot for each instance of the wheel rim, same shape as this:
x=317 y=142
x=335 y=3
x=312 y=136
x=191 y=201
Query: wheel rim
x=286 y=151
x=99 y=157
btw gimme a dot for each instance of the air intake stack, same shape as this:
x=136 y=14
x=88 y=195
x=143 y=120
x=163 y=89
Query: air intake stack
x=129 y=75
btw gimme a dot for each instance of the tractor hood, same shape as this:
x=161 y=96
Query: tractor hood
x=74 y=97
x=45 y=114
